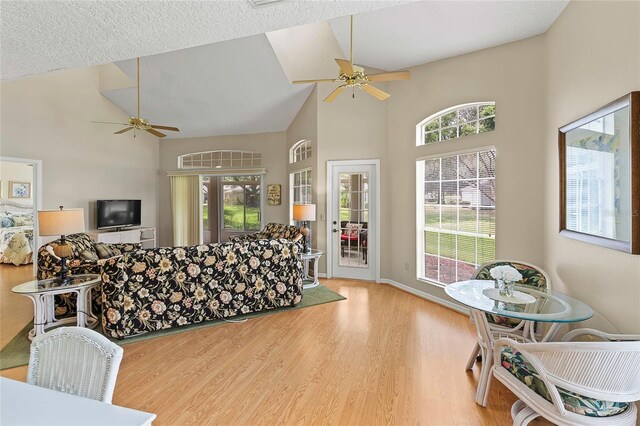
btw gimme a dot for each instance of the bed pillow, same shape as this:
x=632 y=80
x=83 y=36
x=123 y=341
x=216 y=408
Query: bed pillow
x=6 y=221
x=23 y=220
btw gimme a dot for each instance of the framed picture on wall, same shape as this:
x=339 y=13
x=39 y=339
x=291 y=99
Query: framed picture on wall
x=600 y=176
x=19 y=189
x=273 y=194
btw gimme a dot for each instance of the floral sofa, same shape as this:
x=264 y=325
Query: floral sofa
x=269 y=232
x=87 y=258
x=160 y=288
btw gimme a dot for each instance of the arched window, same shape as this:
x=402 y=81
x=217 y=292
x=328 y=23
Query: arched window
x=219 y=159
x=457 y=121
x=300 y=151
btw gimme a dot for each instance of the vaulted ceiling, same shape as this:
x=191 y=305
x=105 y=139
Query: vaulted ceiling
x=241 y=85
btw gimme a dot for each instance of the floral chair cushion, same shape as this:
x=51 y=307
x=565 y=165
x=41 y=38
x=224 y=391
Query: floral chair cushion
x=531 y=277
x=517 y=365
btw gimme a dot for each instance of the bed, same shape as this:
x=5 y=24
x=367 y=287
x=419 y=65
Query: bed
x=16 y=233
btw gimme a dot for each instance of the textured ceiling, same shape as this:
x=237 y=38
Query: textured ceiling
x=417 y=33
x=228 y=88
x=41 y=36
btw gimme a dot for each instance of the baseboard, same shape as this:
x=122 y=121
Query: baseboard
x=322 y=275
x=427 y=296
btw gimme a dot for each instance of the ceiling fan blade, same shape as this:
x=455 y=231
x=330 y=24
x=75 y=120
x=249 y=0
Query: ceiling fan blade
x=321 y=80
x=345 y=66
x=390 y=76
x=334 y=94
x=110 y=122
x=375 y=92
x=156 y=133
x=119 y=132
x=173 y=129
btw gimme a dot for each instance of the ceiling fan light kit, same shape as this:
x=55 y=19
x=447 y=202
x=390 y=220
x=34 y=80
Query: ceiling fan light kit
x=139 y=123
x=355 y=76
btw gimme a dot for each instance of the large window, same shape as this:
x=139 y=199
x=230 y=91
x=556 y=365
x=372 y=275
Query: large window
x=456 y=215
x=457 y=121
x=300 y=151
x=299 y=188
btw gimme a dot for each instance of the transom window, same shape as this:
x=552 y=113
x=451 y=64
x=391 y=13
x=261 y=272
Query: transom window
x=457 y=121
x=300 y=151
x=456 y=215
x=219 y=159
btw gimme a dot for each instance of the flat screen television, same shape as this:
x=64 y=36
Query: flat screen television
x=118 y=213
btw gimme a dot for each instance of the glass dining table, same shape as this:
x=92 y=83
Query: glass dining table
x=527 y=304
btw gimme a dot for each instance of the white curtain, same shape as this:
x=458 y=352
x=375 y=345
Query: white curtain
x=185 y=205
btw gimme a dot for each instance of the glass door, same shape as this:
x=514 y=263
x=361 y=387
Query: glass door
x=240 y=205
x=353 y=231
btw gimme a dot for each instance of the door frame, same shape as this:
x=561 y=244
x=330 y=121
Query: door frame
x=36 y=196
x=375 y=162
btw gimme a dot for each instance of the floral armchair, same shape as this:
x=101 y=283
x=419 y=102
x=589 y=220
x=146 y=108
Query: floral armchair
x=272 y=231
x=87 y=257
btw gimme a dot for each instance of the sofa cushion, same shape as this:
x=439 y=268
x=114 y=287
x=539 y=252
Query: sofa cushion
x=517 y=365
x=89 y=255
x=6 y=221
x=104 y=251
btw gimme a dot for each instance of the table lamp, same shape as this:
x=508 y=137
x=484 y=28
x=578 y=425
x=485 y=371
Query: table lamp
x=61 y=222
x=304 y=213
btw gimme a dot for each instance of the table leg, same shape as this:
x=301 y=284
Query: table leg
x=39 y=315
x=316 y=281
x=81 y=307
x=485 y=342
x=552 y=332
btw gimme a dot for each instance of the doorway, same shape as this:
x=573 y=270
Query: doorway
x=353 y=219
x=231 y=205
x=21 y=198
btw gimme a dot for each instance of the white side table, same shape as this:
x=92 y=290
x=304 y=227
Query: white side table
x=42 y=292
x=307 y=281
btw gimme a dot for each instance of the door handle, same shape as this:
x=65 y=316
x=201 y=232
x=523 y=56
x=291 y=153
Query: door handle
x=334 y=230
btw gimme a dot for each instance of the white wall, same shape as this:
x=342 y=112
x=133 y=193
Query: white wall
x=15 y=172
x=49 y=118
x=593 y=57
x=272 y=146
x=512 y=76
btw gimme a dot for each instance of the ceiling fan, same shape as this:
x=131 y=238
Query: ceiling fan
x=354 y=76
x=140 y=123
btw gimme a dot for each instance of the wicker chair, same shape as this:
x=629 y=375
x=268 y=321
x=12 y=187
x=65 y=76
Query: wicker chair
x=532 y=276
x=572 y=383
x=77 y=361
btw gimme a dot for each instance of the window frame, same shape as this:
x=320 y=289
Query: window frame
x=420 y=216
x=420 y=127
x=292 y=187
x=303 y=148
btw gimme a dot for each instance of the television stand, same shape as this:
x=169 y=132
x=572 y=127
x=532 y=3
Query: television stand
x=143 y=235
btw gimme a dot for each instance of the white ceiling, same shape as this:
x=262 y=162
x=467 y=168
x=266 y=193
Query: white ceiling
x=228 y=88
x=41 y=36
x=240 y=85
x=417 y=33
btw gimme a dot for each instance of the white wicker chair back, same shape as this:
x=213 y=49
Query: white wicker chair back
x=77 y=361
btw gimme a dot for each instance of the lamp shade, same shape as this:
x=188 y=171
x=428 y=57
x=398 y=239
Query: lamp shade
x=304 y=212
x=61 y=221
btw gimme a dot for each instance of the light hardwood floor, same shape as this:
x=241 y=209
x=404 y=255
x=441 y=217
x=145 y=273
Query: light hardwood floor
x=380 y=357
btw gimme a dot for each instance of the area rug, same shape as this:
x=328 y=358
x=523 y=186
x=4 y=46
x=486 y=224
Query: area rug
x=16 y=352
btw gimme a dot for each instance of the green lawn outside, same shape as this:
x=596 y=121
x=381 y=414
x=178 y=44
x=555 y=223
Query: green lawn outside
x=486 y=221
x=466 y=247
x=234 y=217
